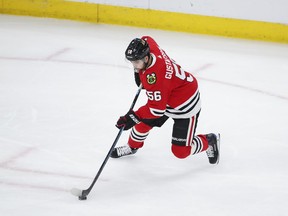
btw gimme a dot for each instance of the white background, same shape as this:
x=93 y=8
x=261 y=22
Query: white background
x=268 y=10
x=63 y=86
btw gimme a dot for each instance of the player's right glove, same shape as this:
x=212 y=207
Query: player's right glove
x=128 y=121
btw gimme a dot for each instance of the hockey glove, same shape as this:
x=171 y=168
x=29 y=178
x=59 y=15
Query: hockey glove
x=128 y=121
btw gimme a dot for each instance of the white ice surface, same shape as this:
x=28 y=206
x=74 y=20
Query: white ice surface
x=62 y=87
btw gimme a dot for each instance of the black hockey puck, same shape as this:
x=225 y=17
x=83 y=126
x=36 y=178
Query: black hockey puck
x=82 y=197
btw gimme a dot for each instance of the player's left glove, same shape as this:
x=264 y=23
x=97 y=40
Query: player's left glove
x=128 y=121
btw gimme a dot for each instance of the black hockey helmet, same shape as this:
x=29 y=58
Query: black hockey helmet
x=137 y=49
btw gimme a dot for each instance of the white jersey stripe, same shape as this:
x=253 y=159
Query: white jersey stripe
x=157 y=112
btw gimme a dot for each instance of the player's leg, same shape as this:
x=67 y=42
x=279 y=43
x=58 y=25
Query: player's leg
x=137 y=136
x=136 y=140
x=140 y=131
x=184 y=140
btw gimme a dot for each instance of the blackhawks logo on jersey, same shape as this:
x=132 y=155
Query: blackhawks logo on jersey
x=151 y=78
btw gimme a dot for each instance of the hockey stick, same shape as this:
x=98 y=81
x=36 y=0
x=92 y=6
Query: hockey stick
x=82 y=194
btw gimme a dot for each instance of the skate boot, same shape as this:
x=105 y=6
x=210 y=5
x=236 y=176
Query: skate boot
x=213 y=148
x=122 y=151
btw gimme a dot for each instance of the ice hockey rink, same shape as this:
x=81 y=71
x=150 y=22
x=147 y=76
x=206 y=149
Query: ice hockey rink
x=64 y=84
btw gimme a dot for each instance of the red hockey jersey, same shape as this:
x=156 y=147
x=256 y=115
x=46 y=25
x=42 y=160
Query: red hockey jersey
x=170 y=90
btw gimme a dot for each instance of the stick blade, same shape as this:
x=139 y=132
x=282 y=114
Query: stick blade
x=79 y=193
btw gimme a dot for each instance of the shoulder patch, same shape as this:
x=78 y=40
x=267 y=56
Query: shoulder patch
x=151 y=78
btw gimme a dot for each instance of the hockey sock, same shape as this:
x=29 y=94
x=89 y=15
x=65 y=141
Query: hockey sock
x=199 y=144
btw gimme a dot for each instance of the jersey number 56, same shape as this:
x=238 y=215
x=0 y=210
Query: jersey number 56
x=156 y=95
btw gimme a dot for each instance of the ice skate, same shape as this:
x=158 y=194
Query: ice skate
x=122 y=151
x=213 y=148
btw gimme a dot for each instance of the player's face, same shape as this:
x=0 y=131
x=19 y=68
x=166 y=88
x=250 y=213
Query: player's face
x=138 y=64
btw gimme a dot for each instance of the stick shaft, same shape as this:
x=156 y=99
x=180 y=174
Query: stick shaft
x=87 y=191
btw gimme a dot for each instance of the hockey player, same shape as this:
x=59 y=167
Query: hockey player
x=172 y=92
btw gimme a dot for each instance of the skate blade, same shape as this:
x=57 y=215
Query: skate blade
x=218 y=147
